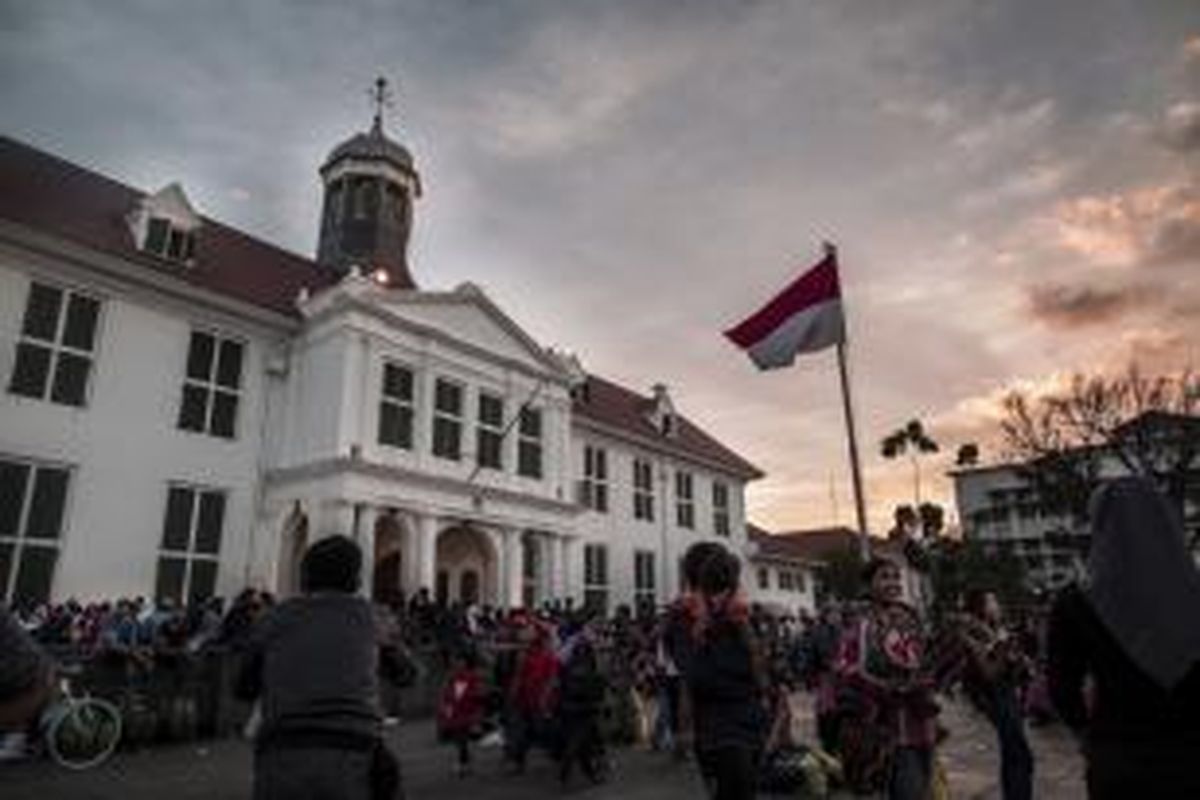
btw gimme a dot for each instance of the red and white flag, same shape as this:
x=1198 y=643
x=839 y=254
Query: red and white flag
x=803 y=318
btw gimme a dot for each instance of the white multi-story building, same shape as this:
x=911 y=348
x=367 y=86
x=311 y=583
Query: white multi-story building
x=186 y=407
x=997 y=506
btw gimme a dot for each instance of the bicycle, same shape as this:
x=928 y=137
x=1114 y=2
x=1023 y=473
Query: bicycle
x=80 y=731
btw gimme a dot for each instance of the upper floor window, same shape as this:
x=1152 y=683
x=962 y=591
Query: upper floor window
x=643 y=490
x=685 y=504
x=396 y=407
x=56 y=347
x=785 y=580
x=447 y=419
x=189 y=553
x=529 y=443
x=169 y=241
x=213 y=386
x=33 y=500
x=720 y=501
x=595 y=478
x=764 y=578
x=489 y=435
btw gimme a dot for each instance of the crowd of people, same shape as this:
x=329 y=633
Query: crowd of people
x=707 y=679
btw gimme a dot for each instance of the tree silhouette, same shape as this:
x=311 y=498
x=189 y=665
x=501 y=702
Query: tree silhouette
x=968 y=455
x=913 y=440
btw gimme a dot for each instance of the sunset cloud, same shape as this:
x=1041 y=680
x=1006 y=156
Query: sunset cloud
x=1146 y=226
x=1069 y=307
x=1180 y=128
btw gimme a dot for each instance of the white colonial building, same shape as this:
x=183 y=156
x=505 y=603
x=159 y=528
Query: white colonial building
x=186 y=407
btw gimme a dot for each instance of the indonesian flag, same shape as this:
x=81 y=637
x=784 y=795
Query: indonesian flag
x=803 y=318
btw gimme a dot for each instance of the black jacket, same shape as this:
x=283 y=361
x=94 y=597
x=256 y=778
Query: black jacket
x=725 y=688
x=1128 y=705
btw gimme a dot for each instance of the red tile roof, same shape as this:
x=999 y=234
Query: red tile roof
x=55 y=196
x=613 y=405
x=815 y=544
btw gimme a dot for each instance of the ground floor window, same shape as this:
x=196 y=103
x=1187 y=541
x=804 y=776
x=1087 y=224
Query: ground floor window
x=33 y=501
x=644 y=592
x=191 y=544
x=595 y=578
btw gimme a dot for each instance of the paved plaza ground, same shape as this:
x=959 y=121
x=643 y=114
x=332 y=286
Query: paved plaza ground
x=221 y=771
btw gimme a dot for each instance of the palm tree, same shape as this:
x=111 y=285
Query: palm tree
x=913 y=440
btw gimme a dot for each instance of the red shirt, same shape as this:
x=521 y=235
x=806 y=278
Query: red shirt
x=461 y=706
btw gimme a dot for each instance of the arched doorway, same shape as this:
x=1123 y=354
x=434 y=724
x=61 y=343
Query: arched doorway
x=387 y=585
x=467 y=566
x=468 y=587
x=293 y=543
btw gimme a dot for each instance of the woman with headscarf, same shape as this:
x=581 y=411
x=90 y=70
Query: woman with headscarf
x=1134 y=629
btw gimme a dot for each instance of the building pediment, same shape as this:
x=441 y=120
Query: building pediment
x=464 y=318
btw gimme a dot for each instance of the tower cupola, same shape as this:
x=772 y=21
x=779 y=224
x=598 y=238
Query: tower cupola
x=370 y=184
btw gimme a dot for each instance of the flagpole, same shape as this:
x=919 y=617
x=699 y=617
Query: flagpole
x=860 y=506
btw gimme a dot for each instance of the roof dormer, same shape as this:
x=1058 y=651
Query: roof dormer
x=164 y=224
x=662 y=414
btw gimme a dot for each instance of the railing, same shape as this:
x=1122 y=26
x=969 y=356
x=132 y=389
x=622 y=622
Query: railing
x=180 y=696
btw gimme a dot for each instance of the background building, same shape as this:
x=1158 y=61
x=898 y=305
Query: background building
x=998 y=506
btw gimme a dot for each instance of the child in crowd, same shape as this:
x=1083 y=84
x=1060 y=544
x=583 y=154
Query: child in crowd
x=461 y=710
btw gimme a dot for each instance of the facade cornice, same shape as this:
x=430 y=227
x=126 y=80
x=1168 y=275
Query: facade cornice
x=330 y=467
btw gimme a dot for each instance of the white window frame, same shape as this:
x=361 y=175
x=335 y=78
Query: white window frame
x=645 y=579
x=485 y=429
x=190 y=556
x=448 y=418
x=720 y=498
x=210 y=386
x=595 y=478
x=20 y=540
x=187 y=241
x=400 y=404
x=764 y=578
x=643 y=489
x=57 y=347
x=685 y=499
x=531 y=443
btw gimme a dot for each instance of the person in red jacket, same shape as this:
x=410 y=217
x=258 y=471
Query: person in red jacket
x=460 y=712
x=531 y=696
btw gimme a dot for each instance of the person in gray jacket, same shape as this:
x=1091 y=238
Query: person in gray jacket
x=314 y=662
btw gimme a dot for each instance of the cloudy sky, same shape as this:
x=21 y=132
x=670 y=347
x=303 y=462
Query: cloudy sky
x=1014 y=184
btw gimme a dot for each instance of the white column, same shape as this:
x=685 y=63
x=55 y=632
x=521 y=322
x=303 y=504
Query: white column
x=426 y=529
x=558 y=565
x=510 y=593
x=364 y=536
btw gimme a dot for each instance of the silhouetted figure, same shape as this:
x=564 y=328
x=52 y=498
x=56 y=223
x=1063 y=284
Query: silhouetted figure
x=1133 y=629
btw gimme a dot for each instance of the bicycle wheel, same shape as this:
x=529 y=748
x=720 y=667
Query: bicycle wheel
x=85 y=734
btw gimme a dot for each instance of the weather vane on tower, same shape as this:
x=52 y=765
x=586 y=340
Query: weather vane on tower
x=381 y=97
